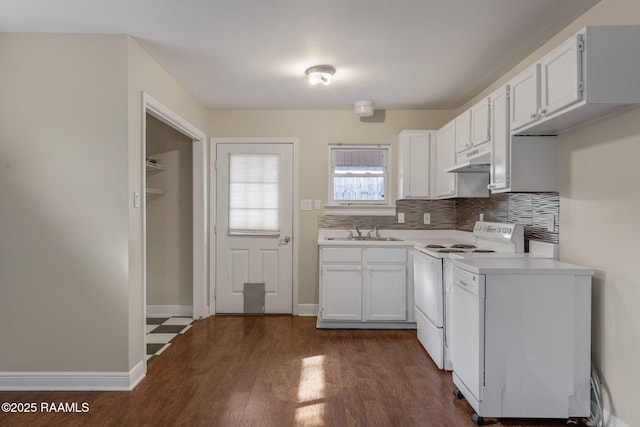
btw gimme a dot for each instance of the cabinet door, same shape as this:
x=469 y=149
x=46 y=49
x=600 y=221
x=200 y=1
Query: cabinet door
x=480 y=123
x=386 y=292
x=463 y=131
x=499 y=172
x=414 y=169
x=341 y=292
x=445 y=157
x=561 y=76
x=525 y=98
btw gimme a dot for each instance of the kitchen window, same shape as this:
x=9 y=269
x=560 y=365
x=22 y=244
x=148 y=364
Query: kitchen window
x=359 y=176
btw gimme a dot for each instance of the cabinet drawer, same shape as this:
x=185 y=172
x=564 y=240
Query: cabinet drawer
x=387 y=255
x=342 y=255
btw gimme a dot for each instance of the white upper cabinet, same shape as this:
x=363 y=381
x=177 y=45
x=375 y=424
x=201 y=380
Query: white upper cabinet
x=463 y=131
x=499 y=168
x=592 y=74
x=449 y=184
x=561 y=76
x=519 y=163
x=480 y=123
x=472 y=130
x=552 y=84
x=414 y=165
x=525 y=97
x=445 y=158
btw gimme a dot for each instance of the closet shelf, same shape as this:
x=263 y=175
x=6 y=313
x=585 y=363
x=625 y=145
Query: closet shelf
x=153 y=167
x=154 y=193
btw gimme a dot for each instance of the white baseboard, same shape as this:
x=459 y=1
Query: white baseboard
x=169 y=310
x=307 y=309
x=611 y=420
x=80 y=381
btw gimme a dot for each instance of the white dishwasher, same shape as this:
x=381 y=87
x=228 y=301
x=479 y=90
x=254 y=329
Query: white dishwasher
x=521 y=337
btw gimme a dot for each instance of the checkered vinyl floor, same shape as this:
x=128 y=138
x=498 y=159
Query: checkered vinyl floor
x=161 y=331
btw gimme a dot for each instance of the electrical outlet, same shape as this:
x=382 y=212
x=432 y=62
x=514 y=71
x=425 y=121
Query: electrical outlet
x=481 y=217
x=426 y=218
x=400 y=217
x=551 y=222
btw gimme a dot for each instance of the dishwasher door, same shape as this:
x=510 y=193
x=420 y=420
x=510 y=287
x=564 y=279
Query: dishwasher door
x=468 y=330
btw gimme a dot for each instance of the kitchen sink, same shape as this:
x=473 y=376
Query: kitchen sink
x=365 y=239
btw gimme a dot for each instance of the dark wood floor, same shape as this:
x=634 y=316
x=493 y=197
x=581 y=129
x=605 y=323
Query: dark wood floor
x=275 y=371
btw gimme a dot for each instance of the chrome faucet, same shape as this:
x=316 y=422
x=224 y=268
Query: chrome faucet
x=357 y=230
x=375 y=231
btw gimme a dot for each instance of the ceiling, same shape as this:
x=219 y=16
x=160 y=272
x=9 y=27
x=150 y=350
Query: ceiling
x=401 y=54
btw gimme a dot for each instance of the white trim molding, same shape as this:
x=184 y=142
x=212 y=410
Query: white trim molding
x=169 y=310
x=158 y=110
x=307 y=309
x=80 y=381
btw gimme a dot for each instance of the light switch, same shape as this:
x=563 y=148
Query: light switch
x=400 y=217
x=305 y=204
x=136 y=199
x=426 y=218
x=317 y=204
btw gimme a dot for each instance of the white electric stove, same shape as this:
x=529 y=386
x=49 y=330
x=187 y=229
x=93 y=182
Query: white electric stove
x=433 y=286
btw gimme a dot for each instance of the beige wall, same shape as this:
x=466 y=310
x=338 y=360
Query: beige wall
x=170 y=218
x=315 y=130
x=599 y=205
x=64 y=294
x=599 y=181
x=70 y=161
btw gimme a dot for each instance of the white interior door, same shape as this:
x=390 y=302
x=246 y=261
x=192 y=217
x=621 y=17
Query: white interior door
x=254 y=216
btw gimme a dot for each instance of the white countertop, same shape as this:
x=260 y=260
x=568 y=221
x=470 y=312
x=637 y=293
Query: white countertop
x=408 y=237
x=521 y=265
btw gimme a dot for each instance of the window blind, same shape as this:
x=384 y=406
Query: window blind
x=254 y=193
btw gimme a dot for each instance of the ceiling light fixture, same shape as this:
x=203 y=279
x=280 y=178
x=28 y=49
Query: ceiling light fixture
x=320 y=74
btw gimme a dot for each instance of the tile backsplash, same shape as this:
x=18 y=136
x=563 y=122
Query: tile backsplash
x=532 y=210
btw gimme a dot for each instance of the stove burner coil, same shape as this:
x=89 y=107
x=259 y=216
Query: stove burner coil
x=463 y=246
x=434 y=247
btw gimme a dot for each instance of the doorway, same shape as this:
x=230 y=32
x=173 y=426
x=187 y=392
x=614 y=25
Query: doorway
x=196 y=138
x=254 y=251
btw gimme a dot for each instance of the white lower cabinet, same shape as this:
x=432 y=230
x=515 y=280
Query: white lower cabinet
x=341 y=292
x=361 y=286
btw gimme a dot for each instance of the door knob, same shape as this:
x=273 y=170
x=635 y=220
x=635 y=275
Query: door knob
x=285 y=240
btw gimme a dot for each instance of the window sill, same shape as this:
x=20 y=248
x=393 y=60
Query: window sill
x=368 y=210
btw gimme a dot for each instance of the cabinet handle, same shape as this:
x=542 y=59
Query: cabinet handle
x=542 y=112
x=533 y=116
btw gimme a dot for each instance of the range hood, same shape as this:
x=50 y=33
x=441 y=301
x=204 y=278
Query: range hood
x=478 y=162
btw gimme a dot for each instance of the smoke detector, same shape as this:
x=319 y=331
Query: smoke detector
x=363 y=108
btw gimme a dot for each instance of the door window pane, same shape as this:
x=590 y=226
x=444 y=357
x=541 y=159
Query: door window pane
x=254 y=197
